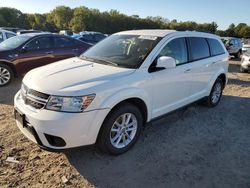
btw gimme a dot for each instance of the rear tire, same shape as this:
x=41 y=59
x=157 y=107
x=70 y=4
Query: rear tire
x=6 y=75
x=115 y=137
x=215 y=95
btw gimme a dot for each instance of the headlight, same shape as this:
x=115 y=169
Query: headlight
x=69 y=104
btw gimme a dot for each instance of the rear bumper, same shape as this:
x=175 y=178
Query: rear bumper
x=75 y=129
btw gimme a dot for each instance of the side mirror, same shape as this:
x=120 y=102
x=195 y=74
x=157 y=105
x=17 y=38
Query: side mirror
x=166 y=62
x=24 y=49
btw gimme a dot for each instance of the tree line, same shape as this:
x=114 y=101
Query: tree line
x=82 y=18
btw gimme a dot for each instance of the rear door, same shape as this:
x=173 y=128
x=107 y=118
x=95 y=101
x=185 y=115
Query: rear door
x=64 y=48
x=204 y=64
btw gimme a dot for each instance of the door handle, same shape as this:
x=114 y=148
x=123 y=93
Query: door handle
x=187 y=71
x=50 y=52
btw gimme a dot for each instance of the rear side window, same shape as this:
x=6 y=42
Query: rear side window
x=215 y=47
x=1 y=36
x=199 y=48
x=176 y=49
x=9 y=35
x=61 y=42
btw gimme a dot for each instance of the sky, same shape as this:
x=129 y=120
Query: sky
x=223 y=12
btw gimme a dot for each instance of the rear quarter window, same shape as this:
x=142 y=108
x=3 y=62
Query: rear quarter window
x=1 y=36
x=215 y=47
x=199 y=48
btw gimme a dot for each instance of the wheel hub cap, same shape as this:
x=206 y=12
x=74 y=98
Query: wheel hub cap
x=4 y=76
x=123 y=130
x=216 y=93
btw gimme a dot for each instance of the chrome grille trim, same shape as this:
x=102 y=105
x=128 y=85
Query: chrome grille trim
x=34 y=98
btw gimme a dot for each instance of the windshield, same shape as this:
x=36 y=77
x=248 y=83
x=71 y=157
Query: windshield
x=14 y=42
x=127 y=51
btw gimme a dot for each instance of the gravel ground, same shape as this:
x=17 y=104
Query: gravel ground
x=192 y=147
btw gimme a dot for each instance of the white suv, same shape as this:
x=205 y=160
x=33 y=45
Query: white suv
x=107 y=94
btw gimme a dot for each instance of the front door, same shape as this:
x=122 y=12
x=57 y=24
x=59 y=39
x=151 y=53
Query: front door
x=171 y=87
x=37 y=52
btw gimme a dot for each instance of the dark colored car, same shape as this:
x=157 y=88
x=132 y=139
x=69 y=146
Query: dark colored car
x=22 y=53
x=90 y=37
x=20 y=32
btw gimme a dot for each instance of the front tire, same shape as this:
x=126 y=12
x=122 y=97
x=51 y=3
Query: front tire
x=120 y=130
x=215 y=95
x=6 y=75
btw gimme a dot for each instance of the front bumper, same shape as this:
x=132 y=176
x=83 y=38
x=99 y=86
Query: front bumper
x=76 y=129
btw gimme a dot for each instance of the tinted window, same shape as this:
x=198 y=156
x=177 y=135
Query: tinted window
x=9 y=35
x=40 y=43
x=87 y=37
x=61 y=42
x=99 y=37
x=198 y=48
x=1 y=36
x=176 y=49
x=215 y=47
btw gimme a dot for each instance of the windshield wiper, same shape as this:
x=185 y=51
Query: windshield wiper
x=102 y=61
x=107 y=62
x=87 y=58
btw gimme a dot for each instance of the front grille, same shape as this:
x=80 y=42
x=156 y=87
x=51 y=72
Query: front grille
x=34 y=98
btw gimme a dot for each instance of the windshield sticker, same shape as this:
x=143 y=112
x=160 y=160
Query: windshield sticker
x=147 y=37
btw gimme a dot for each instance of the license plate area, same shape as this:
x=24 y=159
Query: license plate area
x=20 y=117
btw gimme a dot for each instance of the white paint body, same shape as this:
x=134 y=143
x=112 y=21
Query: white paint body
x=161 y=91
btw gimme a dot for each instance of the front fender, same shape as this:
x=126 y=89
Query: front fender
x=124 y=94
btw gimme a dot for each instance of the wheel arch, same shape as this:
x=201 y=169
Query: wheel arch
x=9 y=65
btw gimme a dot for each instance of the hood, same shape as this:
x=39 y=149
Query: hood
x=72 y=77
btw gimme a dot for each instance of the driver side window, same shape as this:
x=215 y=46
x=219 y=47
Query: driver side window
x=40 y=43
x=176 y=49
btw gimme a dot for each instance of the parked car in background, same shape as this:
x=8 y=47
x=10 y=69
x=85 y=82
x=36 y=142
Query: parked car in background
x=4 y=34
x=24 y=52
x=233 y=46
x=90 y=37
x=245 y=62
x=245 y=48
x=19 y=32
x=12 y=29
x=66 y=32
x=106 y=95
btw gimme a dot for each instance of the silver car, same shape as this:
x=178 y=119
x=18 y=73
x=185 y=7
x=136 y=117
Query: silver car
x=233 y=46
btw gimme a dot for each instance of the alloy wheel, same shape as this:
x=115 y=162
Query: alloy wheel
x=4 y=76
x=123 y=130
x=216 y=93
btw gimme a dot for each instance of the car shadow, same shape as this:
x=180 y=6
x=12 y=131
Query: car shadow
x=233 y=67
x=8 y=92
x=185 y=148
x=239 y=82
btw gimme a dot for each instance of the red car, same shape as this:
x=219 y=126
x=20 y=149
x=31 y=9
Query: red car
x=22 y=53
